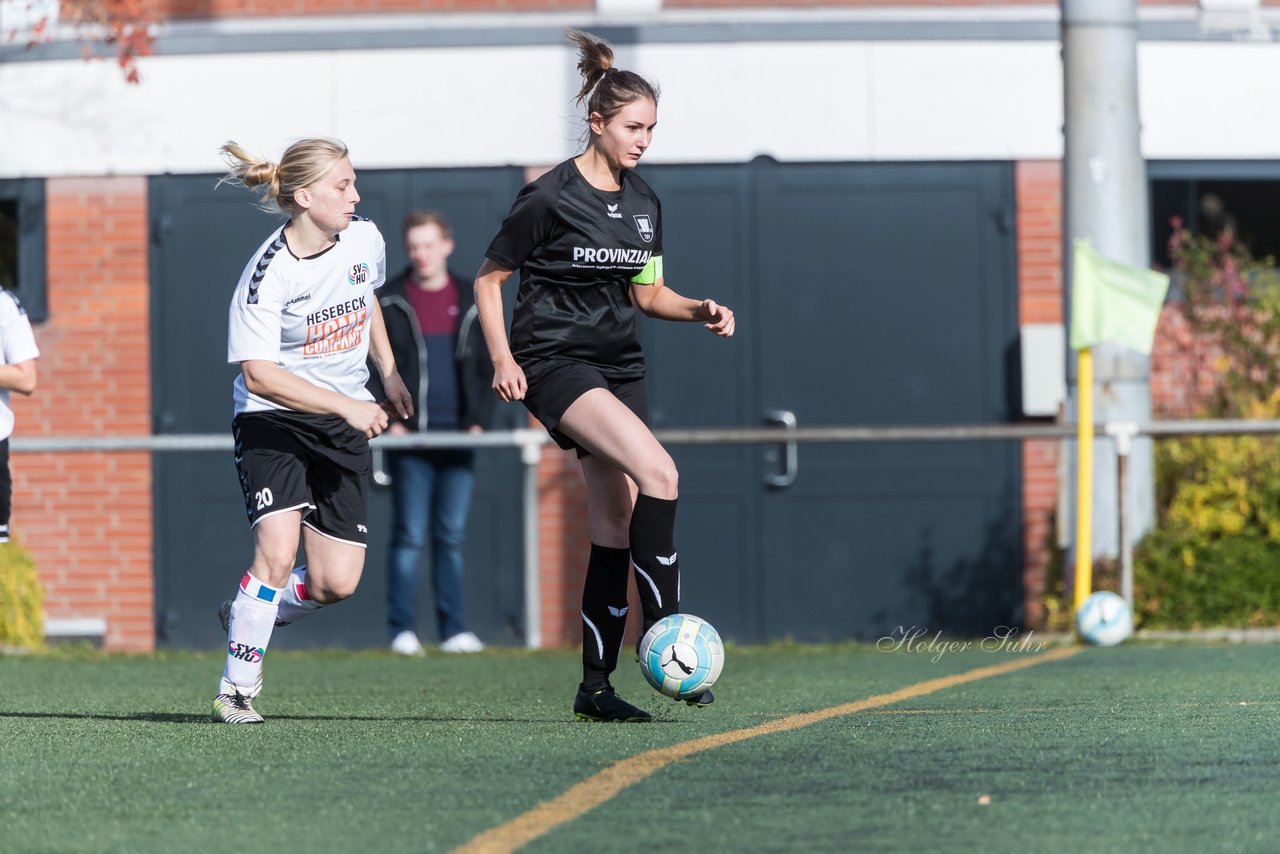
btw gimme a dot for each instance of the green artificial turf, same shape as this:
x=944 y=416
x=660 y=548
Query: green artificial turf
x=1141 y=747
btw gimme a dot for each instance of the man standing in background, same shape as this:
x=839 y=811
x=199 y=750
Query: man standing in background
x=431 y=320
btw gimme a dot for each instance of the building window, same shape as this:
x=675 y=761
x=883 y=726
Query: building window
x=1207 y=206
x=22 y=258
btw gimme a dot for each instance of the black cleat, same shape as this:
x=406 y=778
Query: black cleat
x=702 y=700
x=605 y=705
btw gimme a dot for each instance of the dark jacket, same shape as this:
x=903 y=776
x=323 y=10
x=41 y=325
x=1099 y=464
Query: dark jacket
x=470 y=356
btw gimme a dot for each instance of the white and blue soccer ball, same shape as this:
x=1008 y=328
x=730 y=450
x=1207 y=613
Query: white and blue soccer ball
x=681 y=656
x=1104 y=619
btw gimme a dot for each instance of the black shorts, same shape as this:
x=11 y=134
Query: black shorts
x=554 y=385
x=316 y=464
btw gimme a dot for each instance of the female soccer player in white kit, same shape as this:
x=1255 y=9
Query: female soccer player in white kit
x=303 y=320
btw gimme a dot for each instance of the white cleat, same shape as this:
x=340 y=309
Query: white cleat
x=234 y=709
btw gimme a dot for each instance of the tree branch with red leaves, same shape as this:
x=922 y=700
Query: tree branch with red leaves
x=123 y=27
x=120 y=28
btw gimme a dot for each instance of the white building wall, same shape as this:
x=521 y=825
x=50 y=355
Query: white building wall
x=1211 y=100
x=722 y=102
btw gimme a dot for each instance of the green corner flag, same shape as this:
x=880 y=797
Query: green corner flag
x=1112 y=302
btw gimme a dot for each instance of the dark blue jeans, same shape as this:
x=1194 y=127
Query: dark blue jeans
x=431 y=493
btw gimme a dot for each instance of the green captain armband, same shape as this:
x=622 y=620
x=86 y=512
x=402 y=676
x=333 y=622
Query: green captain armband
x=651 y=272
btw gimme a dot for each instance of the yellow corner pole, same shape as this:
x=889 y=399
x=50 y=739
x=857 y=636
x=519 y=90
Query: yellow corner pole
x=1084 y=476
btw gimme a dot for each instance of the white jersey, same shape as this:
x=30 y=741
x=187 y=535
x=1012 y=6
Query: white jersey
x=310 y=315
x=18 y=344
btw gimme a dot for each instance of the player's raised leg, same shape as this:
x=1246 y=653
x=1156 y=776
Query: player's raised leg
x=334 y=566
x=295 y=601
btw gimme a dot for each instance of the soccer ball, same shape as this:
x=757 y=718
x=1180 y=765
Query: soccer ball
x=1104 y=619
x=681 y=656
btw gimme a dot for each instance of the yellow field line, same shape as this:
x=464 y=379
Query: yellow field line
x=598 y=788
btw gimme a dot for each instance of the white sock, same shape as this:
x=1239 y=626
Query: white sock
x=296 y=603
x=253 y=616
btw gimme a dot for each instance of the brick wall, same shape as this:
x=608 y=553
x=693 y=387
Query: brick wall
x=207 y=9
x=563 y=545
x=1039 y=199
x=87 y=516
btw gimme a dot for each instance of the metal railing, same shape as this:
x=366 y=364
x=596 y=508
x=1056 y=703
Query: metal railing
x=531 y=441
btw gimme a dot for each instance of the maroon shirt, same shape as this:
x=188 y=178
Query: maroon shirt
x=438 y=319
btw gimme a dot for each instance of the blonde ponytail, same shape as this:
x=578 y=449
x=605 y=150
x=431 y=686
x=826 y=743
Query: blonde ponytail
x=302 y=164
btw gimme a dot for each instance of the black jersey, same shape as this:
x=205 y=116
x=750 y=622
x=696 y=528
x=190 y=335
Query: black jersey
x=578 y=250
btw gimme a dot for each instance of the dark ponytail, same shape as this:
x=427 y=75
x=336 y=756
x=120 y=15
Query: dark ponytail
x=606 y=89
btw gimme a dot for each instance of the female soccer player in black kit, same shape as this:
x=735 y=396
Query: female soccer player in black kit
x=587 y=240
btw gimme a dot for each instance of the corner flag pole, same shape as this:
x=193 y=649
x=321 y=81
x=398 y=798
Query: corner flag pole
x=1084 y=475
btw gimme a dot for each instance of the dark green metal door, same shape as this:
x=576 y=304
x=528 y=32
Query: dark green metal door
x=868 y=294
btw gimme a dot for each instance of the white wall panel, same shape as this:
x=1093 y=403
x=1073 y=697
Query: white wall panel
x=732 y=102
x=483 y=106
x=968 y=100
x=456 y=107
x=722 y=102
x=1211 y=100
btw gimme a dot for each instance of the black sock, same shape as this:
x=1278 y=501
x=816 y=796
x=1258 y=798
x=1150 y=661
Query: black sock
x=604 y=614
x=653 y=525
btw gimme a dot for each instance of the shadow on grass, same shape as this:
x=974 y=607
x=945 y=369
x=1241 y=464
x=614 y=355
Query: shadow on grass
x=153 y=717
x=171 y=718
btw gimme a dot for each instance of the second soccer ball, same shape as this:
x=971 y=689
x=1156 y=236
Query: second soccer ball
x=1104 y=619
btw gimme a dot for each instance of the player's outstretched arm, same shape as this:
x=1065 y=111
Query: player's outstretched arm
x=657 y=300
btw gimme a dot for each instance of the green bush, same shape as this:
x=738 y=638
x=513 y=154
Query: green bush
x=1212 y=558
x=21 y=599
x=1184 y=584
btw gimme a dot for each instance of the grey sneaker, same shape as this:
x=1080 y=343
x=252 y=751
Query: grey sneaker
x=234 y=709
